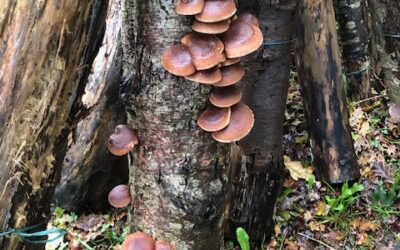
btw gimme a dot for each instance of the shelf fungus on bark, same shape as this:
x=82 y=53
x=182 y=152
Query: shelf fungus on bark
x=122 y=140
x=241 y=39
x=208 y=76
x=138 y=241
x=119 y=196
x=211 y=28
x=216 y=11
x=189 y=7
x=240 y=124
x=206 y=50
x=394 y=112
x=178 y=61
x=230 y=75
x=225 y=96
x=214 y=118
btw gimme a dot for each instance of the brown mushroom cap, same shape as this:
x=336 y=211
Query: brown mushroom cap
x=394 y=112
x=122 y=140
x=249 y=19
x=216 y=11
x=211 y=28
x=162 y=245
x=230 y=75
x=240 y=125
x=206 y=50
x=208 y=76
x=230 y=61
x=225 y=96
x=119 y=196
x=178 y=61
x=138 y=241
x=214 y=118
x=241 y=39
x=189 y=7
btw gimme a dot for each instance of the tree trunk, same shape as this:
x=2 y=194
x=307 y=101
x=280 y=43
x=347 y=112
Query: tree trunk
x=384 y=19
x=89 y=171
x=178 y=174
x=320 y=75
x=44 y=48
x=354 y=37
x=257 y=174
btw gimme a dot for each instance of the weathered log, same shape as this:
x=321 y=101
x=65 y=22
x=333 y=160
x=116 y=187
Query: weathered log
x=354 y=40
x=178 y=174
x=257 y=174
x=44 y=48
x=89 y=171
x=319 y=68
x=385 y=63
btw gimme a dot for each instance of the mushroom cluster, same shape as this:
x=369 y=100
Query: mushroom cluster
x=211 y=55
x=142 y=241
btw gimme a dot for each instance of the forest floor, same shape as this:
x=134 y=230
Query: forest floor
x=309 y=214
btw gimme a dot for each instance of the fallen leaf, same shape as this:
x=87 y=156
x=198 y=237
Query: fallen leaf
x=321 y=209
x=307 y=216
x=316 y=226
x=363 y=225
x=296 y=169
x=363 y=239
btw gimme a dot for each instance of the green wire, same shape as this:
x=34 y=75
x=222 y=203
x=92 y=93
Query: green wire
x=24 y=235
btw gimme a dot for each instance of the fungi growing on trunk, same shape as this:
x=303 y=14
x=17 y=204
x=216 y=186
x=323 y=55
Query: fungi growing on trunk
x=138 y=241
x=241 y=39
x=214 y=118
x=122 y=140
x=211 y=28
x=119 y=196
x=189 y=7
x=216 y=11
x=178 y=61
x=208 y=76
x=230 y=75
x=240 y=124
x=225 y=96
x=206 y=50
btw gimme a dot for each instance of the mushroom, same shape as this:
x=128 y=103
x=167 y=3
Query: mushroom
x=394 y=112
x=162 y=245
x=230 y=75
x=241 y=39
x=249 y=19
x=206 y=50
x=178 y=61
x=122 y=140
x=208 y=76
x=119 y=196
x=230 y=61
x=214 y=118
x=211 y=28
x=189 y=7
x=138 y=241
x=240 y=124
x=225 y=96
x=216 y=11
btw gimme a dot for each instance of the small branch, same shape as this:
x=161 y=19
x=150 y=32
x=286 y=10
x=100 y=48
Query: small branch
x=318 y=241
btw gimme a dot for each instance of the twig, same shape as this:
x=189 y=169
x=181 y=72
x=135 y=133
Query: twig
x=318 y=241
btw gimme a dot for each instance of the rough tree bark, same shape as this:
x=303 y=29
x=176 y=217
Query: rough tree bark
x=319 y=67
x=44 y=46
x=258 y=171
x=354 y=39
x=384 y=18
x=178 y=174
x=89 y=171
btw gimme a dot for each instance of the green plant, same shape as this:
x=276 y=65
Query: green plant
x=243 y=238
x=338 y=204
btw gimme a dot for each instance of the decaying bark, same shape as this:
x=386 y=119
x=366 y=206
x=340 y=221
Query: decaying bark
x=257 y=175
x=384 y=19
x=178 y=174
x=89 y=171
x=44 y=48
x=354 y=39
x=319 y=67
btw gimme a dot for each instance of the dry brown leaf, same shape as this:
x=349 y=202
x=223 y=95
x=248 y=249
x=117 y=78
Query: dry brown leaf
x=296 y=169
x=316 y=226
x=363 y=239
x=363 y=225
x=321 y=209
x=277 y=230
x=307 y=216
x=291 y=245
